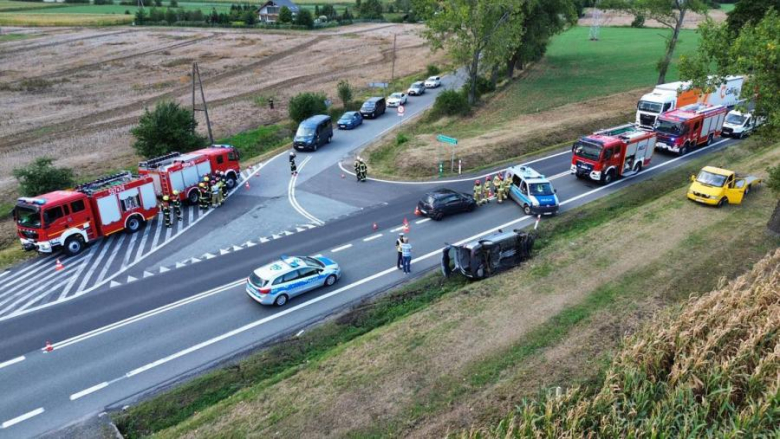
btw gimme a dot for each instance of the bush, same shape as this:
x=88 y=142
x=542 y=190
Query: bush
x=305 y=105
x=285 y=15
x=165 y=129
x=173 y=4
x=249 y=17
x=158 y=3
x=345 y=92
x=401 y=138
x=104 y=2
x=432 y=70
x=483 y=86
x=450 y=103
x=77 y=1
x=304 y=18
x=639 y=21
x=41 y=177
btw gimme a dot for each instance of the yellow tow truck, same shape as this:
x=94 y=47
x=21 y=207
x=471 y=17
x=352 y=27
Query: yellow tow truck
x=717 y=186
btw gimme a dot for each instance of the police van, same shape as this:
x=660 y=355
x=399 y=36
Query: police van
x=290 y=276
x=532 y=191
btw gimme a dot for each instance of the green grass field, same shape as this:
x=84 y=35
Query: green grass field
x=576 y=69
x=120 y=9
x=60 y=19
x=6 y=5
x=727 y=7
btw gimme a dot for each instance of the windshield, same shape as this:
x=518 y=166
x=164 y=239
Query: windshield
x=311 y=262
x=347 y=116
x=417 y=85
x=540 y=188
x=735 y=119
x=304 y=131
x=368 y=106
x=257 y=280
x=668 y=127
x=28 y=216
x=710 y=179
x=396 y=95
x=650 y=107
x=587 y=150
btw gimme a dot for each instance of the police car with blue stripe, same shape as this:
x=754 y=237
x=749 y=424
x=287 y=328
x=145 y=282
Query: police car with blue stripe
x=290 y=276
x=532 y=191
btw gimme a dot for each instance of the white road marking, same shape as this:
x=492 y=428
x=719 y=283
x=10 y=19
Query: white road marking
x=114 y=284
x=294 y=202
x=12 y=361
x=75 y=276
x=110 y=259
x=86 y=392
x=397 y=229
x=40 y=284
x=343 y=247
x=373 y=237
x=22 y=418
x=164 y=269
x=158 y=231
x=104 y=245
x=147 y=232
x=422 y=221
x=4 y=273
x=129 y=250
x=131 y=279
x=39 y=268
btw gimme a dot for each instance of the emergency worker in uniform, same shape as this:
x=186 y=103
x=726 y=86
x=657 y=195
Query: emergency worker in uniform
x=363 y=170
x=204 y=196
x=497 y=187
x=177 y=205
x=478 y=192
x=505 y=182
x=224 y=187
x=293 y=166
x=216 y=193
x=166 y=210
x=357 y=168
x=486 y=189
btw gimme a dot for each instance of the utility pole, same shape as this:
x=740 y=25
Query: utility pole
x=392 y=77
x=205 y=109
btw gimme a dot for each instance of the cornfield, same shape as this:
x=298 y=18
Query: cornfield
x=712 y=369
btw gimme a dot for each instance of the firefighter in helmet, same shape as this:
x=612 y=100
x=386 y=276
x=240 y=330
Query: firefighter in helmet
x=203 y=193
x=216 y=193
x=363 y=170
x=505 y=187
x=478 y=192
x=486 y=189
x=497 y=188
x=166 y=210
x=177 y=205
x=357 y=168
x=224 y=186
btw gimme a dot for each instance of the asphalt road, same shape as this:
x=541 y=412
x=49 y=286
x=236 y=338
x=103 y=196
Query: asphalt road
x=113 y=345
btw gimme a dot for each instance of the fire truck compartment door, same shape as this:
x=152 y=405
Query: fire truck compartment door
x=157 y=184
x=148 y=197
x=177 y=181
x=204 y=168
x=190 y=175
x=109 y=210
x=705 y=127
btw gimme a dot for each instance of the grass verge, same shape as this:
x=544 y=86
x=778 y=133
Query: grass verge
x=359 y=369
x=60 y=19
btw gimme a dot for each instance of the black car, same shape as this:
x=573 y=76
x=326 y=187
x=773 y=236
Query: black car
x=485 y=256
x=373 y=107
x=442 y=202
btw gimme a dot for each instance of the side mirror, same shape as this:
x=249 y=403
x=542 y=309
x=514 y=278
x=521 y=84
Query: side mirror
x=555 y=191
x=693 y=178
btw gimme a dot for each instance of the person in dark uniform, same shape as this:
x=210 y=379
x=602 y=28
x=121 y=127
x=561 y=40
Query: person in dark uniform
x=177 y=206
x=203 y=190
x=293 y=166
x=399 y=260
x=166 y=210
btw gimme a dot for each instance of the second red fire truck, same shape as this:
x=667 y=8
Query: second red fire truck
x=615 y=152
x=183 y=171
x=681 y=130
x=70 y=219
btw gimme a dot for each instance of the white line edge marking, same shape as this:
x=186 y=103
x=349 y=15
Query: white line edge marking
x=422 y=221
x=12 y=361
x=294 y=202
x=118 y=273
x=225 y=287
x=397 y=229
x=23 y=417
x=86 y=392
x=343 y=247
x=372 y=237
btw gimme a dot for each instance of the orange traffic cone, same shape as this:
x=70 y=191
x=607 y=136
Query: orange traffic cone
x=58 y=266
x=247 y=184
x=48 y=347
x=257 y=175
x=417 y=211
x=406 y=221
x=374 y=226
x=406 y=228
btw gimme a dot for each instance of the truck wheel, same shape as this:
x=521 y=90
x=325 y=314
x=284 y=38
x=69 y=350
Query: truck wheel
x=74 y=245
x=526 y=209
x=638 y=167
x=608 y=178
x=231 y=181
x=710 y=138
x=722 y=202
x=684 y=150
x=133 y=224
x=193 y=196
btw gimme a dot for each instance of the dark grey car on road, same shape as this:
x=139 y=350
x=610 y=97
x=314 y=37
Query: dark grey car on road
x=483 y=257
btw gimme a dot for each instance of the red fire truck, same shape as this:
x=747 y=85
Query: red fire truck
x=183 y=172
x=611 y=153
x=70 y=219
x=687 y=127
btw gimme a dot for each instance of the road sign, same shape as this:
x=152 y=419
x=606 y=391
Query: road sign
x=401 y=110
x=378 y=84
x=445 y=139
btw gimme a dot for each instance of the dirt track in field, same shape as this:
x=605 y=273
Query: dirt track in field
x=74 y=94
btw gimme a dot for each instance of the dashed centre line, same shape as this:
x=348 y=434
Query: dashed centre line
x=373 y=237
x=23 y=417
x=12 y=361
x=86 y=392
x=343 y=247
x=422 y=221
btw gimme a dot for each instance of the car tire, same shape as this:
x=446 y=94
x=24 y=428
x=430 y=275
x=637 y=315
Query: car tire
x=526 y=209
x=281 y=300
x=133 y=224
x=437 y=216
x=722 y=202
x=74 y=245
x=471 y=207
x=740 y=136
x=329 y=138
x=314 y=148
x=480 y=272
x=193 y=197
x=330 y=280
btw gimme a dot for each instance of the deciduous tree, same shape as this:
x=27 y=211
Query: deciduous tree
x=41 y=177
x=285 y=15
x=165 y=129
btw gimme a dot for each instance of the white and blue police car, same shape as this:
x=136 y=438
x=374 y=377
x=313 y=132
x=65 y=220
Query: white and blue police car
x=532 y=191
x=290 y=276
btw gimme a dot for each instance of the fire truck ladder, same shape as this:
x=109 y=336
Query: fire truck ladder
x=102 y=183
x=618 y=131
x=158 y=161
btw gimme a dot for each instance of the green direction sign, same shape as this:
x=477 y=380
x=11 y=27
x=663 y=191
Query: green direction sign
x=445 y=139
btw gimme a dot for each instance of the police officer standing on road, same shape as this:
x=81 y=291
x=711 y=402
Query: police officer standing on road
x=293 y=166
x=177 y=205
x=478 y=192
x=497 y=188
x=363 y=170
x=399 y=261
x=166 y=210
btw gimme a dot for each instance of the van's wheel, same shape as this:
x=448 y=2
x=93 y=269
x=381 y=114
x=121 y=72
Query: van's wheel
x=74 y=245
x=193 y=197
x=133 y=224
x=608 y=178
x=527 y=209
x=281 y=300
x=231 y=181
x=329 y=139
x=316 y=145
x=722 y=202
x=330 y=280
x=480 y=272
x=438 y=216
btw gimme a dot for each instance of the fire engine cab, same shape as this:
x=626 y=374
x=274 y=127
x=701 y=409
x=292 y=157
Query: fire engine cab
x=690 y=126
x=70 y=219
x=183 y=171
x=612 y=153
